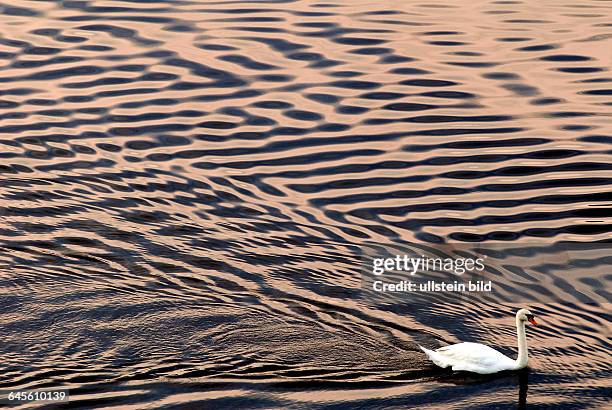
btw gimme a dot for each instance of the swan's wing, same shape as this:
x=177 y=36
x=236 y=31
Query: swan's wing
x=468 y=355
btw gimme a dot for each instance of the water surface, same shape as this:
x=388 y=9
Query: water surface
x=185 y=187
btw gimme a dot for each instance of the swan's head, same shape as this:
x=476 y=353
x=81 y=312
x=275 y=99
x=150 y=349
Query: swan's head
x=525 y=315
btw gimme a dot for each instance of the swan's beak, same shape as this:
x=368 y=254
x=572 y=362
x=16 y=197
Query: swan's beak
x=532 y=321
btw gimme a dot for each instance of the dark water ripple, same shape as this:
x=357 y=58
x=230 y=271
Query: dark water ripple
x=184 y=186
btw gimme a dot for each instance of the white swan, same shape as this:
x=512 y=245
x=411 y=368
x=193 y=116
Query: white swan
x=478 y=358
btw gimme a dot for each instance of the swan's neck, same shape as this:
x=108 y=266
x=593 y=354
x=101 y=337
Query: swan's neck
x=522 y=359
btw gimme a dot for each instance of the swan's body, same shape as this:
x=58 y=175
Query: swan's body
x=471 y=357
x=479 y=358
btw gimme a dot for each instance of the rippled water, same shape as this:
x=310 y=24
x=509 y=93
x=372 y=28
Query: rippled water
x=184 y=187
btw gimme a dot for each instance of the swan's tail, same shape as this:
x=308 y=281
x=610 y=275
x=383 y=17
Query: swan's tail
x=435 y=357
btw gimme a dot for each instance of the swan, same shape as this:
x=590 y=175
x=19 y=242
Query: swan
x=479 y=358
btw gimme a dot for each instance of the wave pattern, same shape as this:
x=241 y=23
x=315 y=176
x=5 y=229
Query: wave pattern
x=184 y=186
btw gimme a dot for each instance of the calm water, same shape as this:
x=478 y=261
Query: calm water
x=185 y=185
